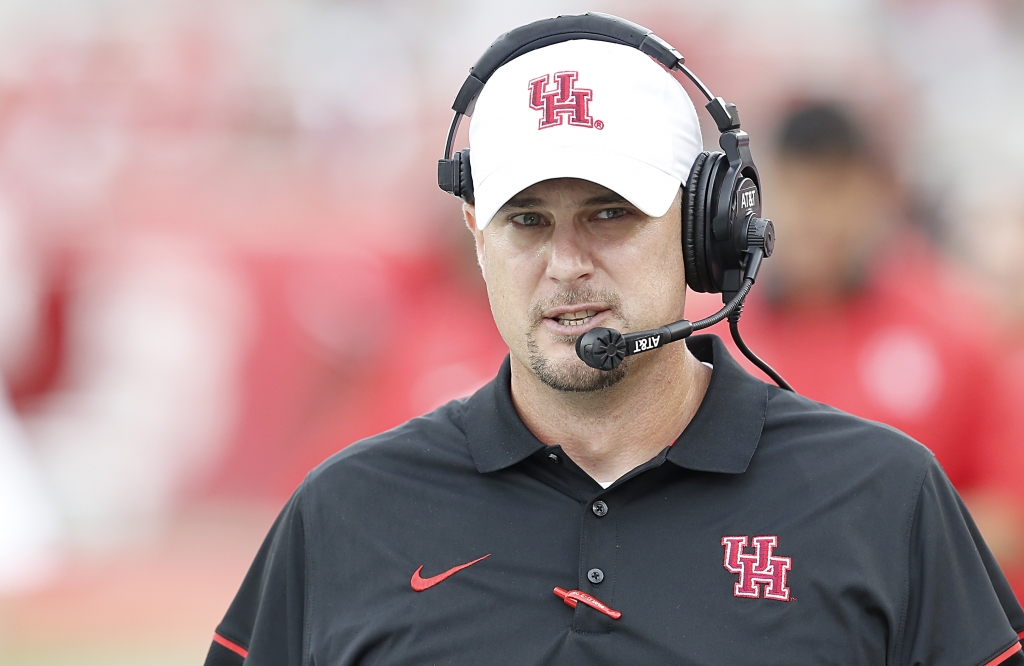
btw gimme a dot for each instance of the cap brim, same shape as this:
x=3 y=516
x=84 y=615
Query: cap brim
x=648 y=188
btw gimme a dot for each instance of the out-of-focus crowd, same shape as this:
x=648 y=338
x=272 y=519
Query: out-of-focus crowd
x=223 y=255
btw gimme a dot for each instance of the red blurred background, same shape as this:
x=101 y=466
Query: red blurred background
x=223 y=256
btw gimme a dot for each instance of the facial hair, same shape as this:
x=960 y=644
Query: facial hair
x=573 y=375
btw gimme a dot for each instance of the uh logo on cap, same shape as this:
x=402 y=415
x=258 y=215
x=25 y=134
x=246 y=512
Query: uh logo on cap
x=565 y=100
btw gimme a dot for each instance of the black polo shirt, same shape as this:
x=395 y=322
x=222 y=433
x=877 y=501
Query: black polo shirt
x=775 y=530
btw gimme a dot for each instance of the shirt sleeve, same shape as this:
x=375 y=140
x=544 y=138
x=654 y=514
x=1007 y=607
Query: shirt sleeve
x=960 y=609
x=265 y=623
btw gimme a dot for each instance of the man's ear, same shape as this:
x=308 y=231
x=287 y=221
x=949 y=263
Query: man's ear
x=469 y=214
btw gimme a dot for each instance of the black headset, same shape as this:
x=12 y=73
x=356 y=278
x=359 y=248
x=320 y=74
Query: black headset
x=724 y=237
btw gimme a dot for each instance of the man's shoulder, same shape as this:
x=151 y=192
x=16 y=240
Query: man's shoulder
x=840 y=472
x=833 y=439
x=436 y=440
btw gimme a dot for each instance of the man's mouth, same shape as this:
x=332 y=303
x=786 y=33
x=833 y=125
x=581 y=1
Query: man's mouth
x=575 y=318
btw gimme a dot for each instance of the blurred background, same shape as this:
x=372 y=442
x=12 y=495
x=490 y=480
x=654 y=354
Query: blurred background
x=218 y=217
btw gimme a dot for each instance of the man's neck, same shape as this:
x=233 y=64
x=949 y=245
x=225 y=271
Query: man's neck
x=612 y=431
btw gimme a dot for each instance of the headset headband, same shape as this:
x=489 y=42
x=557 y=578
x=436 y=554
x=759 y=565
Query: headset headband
x=593 y=26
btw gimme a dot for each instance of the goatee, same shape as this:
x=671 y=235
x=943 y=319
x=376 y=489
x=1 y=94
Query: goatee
x=572 y=375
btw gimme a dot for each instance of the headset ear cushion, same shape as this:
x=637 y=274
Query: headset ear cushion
x=465 y=177
x=702 y=219
x=693 y=221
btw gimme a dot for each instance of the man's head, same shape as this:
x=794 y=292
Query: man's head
x=566 y=255
x=832 y=202
x=579 y=151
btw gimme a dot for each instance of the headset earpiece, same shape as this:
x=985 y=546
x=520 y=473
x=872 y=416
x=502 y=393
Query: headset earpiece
x=722 y=196
x=455 y=175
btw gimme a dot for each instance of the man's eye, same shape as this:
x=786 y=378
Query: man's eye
x=610 y=213
x=528 y=219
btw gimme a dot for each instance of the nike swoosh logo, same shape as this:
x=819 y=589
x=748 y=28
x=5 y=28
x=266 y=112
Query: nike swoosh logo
x=419 y=584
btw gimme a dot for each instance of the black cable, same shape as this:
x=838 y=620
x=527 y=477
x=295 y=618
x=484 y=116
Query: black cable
x=732 y=306
x=734 y=319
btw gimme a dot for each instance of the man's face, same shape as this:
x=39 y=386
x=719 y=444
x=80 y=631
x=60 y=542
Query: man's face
x=567 y=255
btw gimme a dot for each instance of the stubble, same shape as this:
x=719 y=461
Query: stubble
x=572 y=375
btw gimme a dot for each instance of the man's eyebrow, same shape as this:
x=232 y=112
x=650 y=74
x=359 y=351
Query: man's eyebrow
x=521 y=202
x=534 y=202
x=605 y=200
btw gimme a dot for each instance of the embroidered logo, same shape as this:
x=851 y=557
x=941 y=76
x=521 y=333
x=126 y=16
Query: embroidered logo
x=564 y=101
x=419 y=584
x=758 y=570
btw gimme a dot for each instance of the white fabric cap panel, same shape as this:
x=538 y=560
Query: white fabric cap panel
x=602 y=112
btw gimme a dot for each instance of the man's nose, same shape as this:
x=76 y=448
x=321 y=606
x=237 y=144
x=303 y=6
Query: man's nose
x=569 y=255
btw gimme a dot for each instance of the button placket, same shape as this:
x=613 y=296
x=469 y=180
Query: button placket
x=598 y=544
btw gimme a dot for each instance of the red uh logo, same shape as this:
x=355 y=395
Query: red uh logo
x=565 y=100
x=757 y=569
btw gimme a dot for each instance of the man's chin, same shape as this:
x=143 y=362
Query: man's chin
x=572 y=375
x=553 y=360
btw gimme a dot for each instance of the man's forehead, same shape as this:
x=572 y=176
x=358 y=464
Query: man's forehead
x=564 y=191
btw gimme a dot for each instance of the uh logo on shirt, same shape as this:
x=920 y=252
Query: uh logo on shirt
x=760 y=570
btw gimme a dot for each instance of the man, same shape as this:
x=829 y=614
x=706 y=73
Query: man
x=854 y=291
x=674 y=510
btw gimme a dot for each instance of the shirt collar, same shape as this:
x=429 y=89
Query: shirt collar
x=498 y=438
x=721 y=437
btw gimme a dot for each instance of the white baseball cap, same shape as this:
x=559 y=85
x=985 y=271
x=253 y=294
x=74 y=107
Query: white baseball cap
x=585 y=109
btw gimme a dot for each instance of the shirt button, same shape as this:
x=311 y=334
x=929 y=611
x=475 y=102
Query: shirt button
x=599 y=508
x=595 y=576
x=553 y=457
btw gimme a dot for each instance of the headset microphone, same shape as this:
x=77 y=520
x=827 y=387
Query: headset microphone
x=606 y=348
